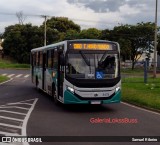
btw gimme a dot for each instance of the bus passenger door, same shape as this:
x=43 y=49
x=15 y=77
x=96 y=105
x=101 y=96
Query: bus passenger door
x=60 y=75
x=44 y=72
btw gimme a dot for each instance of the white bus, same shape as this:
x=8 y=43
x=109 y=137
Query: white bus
x=82 y=71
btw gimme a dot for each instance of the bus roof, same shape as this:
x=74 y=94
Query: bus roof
x=47 y=47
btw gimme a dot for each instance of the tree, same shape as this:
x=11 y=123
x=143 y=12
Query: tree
x=105 y=34
x=1 y=35
x=21 y=17
x=62 y=24
x=52 y=35
x=20 y=39
x=91 y=33
x=71 y=34
x=58 y=29
x=138 y=38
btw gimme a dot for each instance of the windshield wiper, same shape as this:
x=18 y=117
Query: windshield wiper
x=102 y=58
x=87 y=61
x=85 y=58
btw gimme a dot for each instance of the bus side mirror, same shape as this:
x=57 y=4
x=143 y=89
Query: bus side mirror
x=62 y=60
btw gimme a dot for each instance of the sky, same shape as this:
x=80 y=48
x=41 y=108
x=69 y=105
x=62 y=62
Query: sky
x=100 y=14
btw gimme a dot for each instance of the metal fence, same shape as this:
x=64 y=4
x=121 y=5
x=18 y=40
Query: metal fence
x=142 y=73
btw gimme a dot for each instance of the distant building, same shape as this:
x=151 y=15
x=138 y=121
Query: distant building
x=142 y=58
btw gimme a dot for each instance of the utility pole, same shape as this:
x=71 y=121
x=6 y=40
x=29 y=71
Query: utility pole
x=155 y=42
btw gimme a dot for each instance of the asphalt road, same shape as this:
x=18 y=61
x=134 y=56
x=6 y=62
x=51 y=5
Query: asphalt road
x=27 y=111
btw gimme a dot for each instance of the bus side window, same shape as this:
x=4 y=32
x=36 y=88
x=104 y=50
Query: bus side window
x=41 y=59
x=50 y=58
x=37 y=57
x=55 y=59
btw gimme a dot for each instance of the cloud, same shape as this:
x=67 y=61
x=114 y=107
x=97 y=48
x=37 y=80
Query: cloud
x=101 y=6
x=87 y=13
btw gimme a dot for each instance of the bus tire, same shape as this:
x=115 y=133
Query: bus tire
x=54 y=94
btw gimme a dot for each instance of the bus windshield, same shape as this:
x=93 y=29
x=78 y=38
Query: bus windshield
x=92 y=65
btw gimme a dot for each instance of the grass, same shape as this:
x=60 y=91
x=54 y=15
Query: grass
x=3 y=78
x=12 y=64
x=144 y=95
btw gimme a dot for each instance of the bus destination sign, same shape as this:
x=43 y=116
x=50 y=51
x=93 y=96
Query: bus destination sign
x=92 y=46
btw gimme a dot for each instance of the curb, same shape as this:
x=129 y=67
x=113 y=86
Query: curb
x=144 y=108
x=6 y=81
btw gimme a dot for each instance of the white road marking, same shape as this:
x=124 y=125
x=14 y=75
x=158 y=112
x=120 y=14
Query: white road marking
x=15 y=107
x=11 y=75
x=4 y=74
x=8 y=125
x=139 y=108
x=23 y=122
x=20 y=103
x=9 y=134
x=10 y=118
x=18 y=75
x=24 y=125
x=26 y=101
x=26 y=76
x=7 y=144
x=6 y=81
x=12 y=112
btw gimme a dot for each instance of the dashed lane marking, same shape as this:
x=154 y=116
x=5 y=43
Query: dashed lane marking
x=18 y=75
x=26 y=76
x=4 y=74
x=11 y=75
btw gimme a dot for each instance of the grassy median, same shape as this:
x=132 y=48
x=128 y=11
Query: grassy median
x=4 y=64
x=3 y=78
x=134 y=91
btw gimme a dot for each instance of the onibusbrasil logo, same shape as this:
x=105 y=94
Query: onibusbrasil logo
x=20 y=139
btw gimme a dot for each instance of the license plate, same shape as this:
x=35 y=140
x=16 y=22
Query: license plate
x=95 y=102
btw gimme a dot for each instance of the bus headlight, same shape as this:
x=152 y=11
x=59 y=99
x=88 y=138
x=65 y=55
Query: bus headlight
x=117 y=89
x=70 y=89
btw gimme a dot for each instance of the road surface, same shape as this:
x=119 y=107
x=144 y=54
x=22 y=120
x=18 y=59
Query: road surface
x=29 y=112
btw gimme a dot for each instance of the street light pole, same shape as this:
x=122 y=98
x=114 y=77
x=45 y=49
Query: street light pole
x=155 y=42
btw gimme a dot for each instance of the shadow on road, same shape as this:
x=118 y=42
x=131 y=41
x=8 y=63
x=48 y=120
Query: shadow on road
x=86 y=108
x=77 y=108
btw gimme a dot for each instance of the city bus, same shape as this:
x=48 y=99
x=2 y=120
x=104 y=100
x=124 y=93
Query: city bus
x=82 y=71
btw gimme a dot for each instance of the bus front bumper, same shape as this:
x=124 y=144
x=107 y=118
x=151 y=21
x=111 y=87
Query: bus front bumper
x=70 y=98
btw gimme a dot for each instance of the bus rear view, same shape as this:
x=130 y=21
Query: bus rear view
x=92 y=72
